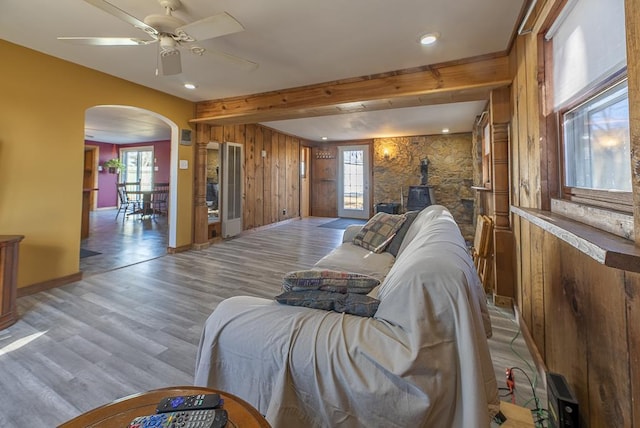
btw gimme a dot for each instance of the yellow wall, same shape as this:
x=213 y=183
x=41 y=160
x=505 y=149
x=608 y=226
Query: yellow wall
x=42 y=108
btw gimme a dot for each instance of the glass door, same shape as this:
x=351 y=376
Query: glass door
x=353 y=182
x=138 y=166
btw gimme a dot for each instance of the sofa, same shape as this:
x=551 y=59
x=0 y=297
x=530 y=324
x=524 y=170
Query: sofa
x=421 y=360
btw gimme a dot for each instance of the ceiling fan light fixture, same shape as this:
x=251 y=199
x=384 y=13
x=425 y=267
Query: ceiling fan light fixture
x=429 y=39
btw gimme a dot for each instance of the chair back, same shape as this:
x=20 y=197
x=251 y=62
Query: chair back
x=483 y=249
x=160 y=192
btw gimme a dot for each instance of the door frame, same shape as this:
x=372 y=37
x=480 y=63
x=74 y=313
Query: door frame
x=367 y=185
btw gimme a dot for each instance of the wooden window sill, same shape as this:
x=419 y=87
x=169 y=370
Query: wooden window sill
x=604 y=247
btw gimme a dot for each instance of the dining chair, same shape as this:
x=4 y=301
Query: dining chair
x=129 y=203
x=159 y=201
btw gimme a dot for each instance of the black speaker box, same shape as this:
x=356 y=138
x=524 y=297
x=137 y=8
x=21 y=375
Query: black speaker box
x=563 y=405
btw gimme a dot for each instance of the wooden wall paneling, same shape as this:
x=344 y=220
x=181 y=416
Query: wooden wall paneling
x=229 y=134
x=524 y=183
x=275 y=177
x=282 y=177
x=250 y=195
x=289 y=177
x=632 y=287
x=525 y=291
x=533 y=121
x=632 y=24
x=268 y=162
x=293 y=177
x=565 y=336
x=604 y=320
x=324 y=199
x=200 y=211
x=259 y=176
x=536 y=286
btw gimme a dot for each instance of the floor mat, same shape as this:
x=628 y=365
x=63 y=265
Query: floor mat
x=342 y=223
x=87 y=253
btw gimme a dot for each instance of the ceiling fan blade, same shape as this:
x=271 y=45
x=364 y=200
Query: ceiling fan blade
x=209 y=28
x=170 y=61
x=244 y=64
x=106 y=41
x=122 y=15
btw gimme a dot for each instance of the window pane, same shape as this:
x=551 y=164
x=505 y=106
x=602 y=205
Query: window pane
x=353 y=180
x=597 y=143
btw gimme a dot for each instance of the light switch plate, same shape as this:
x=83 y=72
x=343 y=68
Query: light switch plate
x=184 y=164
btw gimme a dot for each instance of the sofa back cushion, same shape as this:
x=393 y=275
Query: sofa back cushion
x=395 y=243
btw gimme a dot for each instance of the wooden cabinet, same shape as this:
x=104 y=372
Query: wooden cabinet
x=8 y=278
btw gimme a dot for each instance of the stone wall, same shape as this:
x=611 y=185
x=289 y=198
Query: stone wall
x=450 y=172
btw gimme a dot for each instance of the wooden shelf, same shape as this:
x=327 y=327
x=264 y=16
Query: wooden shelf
x=604 y=247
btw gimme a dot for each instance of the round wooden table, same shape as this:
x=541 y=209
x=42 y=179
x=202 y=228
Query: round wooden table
x=121 y=412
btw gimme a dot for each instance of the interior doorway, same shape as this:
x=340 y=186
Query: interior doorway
x=353 y=181
x=152 y=155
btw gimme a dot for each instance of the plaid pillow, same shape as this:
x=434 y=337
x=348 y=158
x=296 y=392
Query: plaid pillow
x=355 y=304
x=379 y=231
x=328 y=280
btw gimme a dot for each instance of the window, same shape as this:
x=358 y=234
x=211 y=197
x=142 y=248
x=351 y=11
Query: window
x=139 y=164
x=596 y=142
x=590 y=97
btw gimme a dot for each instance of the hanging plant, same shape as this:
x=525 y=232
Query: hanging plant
x=114 y=166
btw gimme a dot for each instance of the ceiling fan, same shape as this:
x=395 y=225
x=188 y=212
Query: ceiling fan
x=170 y=33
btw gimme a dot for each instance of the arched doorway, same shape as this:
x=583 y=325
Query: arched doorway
x=148 y=142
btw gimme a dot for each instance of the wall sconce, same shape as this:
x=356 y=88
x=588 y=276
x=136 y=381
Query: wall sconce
x=385 y=154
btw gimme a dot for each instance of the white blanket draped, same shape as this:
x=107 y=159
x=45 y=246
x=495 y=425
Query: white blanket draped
x=422 y=361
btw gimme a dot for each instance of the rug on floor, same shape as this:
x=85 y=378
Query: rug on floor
x=87 y=253
x=342 y=223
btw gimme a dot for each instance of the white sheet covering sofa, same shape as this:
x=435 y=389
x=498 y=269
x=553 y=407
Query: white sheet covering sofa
x=421 y=361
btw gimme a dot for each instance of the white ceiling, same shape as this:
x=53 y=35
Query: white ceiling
x=293 y=43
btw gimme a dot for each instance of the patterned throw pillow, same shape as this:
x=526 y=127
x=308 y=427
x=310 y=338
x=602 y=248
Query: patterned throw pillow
x=328 y=280
x=378 y=232
x=350 y=303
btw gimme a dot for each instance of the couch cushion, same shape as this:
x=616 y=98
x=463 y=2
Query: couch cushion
x=350 y=257
x=378 y=232
x=350 y=303
x=395 y=243
x=328 y=280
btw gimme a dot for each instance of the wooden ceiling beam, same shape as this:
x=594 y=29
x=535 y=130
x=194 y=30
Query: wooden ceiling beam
x=436 y=84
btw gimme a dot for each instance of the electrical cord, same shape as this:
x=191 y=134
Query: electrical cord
x=540 y=414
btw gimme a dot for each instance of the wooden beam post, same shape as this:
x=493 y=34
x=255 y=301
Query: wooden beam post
x=200 y=212
x=504 y=244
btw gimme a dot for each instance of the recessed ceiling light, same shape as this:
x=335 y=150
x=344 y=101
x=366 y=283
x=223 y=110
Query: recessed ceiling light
x=189 y=86
x=445 y=130
x=325 y=138
x=429 y=38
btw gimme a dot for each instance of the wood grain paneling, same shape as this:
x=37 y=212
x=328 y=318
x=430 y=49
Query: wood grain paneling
x=270 y=188
x=324 y=171
x=445 y=82
x=580 y=302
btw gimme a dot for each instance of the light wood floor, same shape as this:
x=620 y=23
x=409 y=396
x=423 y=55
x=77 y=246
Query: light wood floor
x=135 y=328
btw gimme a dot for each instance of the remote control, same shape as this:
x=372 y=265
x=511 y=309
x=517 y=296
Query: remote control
x=209 y=418
x=189 y=402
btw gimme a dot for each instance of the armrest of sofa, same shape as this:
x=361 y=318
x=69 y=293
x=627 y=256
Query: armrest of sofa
x=350 y=232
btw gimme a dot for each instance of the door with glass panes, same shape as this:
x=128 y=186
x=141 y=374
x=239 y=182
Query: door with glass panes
x=353 y=181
